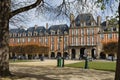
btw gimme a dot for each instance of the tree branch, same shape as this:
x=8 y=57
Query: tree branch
x=13 y=13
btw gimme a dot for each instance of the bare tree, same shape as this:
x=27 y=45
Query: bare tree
x=10 y=8
x=5 y=14
x=117 y=73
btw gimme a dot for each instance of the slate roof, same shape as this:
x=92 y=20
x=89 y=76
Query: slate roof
x=14 y=30
x=62 y=28
x=107 y=28
x=87 y=17
x=39 y=29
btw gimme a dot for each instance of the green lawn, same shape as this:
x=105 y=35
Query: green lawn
x=106 y=66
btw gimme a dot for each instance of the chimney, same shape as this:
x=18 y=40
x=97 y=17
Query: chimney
x=36 y=26
x=107 y=21
x=98 y=20
x=71 y=17
x=46 y=25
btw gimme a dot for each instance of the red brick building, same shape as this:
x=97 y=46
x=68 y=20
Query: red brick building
x=83 y=36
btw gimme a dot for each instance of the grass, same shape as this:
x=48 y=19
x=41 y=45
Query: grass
x=106 y=66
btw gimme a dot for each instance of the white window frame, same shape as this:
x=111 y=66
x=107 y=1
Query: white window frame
x=29 y=39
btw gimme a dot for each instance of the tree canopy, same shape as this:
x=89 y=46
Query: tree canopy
x=110 y=48
x=29 y=49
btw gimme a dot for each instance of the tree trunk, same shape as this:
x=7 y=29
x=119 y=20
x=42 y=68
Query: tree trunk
x=4 y=37
x=117 y=73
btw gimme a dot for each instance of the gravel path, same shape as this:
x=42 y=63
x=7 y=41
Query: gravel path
x=47 y=70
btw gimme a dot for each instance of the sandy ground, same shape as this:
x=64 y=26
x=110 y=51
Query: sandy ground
x=44 y=63
x=47 y=70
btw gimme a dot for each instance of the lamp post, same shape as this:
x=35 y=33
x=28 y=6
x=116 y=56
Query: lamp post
x=86 y=60
x=63 y=46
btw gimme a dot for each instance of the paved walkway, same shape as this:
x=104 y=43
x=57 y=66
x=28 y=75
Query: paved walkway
x=47 y=70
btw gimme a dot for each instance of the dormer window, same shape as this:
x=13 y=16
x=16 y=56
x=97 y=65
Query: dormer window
x=29 y=33
x=40 y=33
x=23 y=34
x=65 y=32
x=92 y=23
x=10 y=34
x=58 y=31
x=14 y=34
x=81 y=24
x=52 y=32
x=35 y=33
x=20 y=34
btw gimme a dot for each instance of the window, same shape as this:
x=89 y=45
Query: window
x=110 y=36
x=13 y=40
x=29 y=33
x=84 y=24
x=52 y=46
x=117 y=35
x=117 y=29
x=29 y=39
x=92 y=40
x=35 y=33
x=14 y=34
x=88 y=40
x=41 y=40
x=76 y=41
x=82 y=40
x=88 y=31
x=23 y=40
x=82 y=31
x=58 y=39
x=10 y=34
x=81 y=24
x=65 y=40
x=58 y=46
x=52 y=32
x=76 y=31
x=52 y=39
x=24 y=34
x=102 y=36
x=65 y=46
x=58 y=31
x=93 y=31
x=72 y=40
x=18 y=40
x=72 y=31
x=34 y=40
x=46 y=40
x=92 y=23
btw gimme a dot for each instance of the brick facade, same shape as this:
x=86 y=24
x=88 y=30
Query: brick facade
x=83 y=37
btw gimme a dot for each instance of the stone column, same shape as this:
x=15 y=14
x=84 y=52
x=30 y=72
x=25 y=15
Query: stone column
x=89 y=53
x=77 y=54
x=26 y=55
x=70 y=54
x=55 y=54
x=37 y=55
x=49 y=55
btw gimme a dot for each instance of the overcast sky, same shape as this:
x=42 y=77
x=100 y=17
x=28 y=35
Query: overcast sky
x=39 y=20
